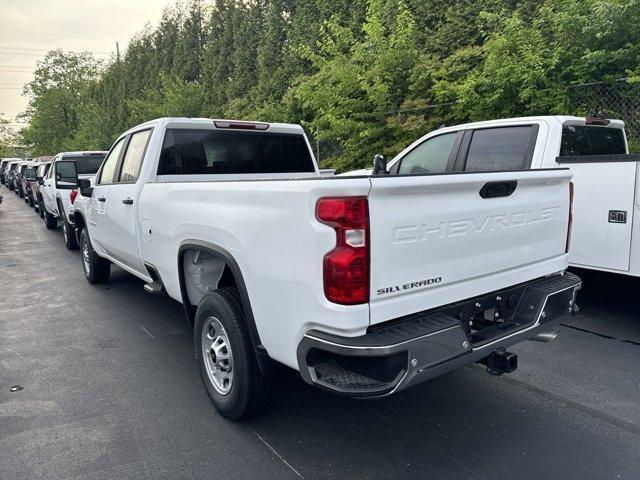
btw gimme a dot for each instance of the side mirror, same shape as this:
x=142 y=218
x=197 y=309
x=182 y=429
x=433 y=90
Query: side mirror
x=380 y=165
x=84 y=184
x=66 y=176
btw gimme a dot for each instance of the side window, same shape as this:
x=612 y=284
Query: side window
x=430 y=156
x=503 y=148
x=110 y=163
x=134 y=156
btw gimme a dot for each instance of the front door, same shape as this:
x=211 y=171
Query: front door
x=122 y=208
x=96 y=216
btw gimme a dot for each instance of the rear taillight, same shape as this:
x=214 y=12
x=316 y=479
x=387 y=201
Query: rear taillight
x=72 y=195
x=570 y=221
x=346 y=267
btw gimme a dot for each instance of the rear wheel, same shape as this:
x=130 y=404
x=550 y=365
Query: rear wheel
x=41 y=208
x=96 y=269
x=226 y=357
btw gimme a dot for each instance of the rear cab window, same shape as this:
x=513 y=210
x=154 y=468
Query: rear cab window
x=87 y=165
x=590 y=140
x=501 y=148
x=224 y=152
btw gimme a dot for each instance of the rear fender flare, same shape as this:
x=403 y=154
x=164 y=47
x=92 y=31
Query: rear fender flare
x=263 y=358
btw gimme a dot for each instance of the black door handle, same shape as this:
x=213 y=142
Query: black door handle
x=498 y=189
x=128 y=201
x=102 y=199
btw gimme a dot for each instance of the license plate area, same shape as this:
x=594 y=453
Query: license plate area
x=492 y=316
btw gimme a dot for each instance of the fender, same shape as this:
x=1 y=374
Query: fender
x=264 y=360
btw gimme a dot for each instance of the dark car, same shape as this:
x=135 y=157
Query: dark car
x=3 y=165
x=29 y=183
x=10 y=174
x=36 y=190
x=19 y=176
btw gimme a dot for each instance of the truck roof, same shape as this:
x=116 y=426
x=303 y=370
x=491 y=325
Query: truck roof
x=186 y=122
x=561 y=119
x=87 y=153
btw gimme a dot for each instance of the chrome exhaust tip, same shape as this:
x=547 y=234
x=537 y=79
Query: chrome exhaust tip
x=545 y=337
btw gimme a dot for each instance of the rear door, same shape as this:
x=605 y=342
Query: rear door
x=603 y=208
x=437 y=239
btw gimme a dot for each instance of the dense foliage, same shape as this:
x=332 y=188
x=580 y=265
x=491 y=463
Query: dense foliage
x=362 y=76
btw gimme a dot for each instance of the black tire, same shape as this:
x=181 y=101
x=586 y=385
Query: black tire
x=50 y=221
x=30 y=200
x=69 y=233
x=41 y=208
x=96 y=269
x=250 y=392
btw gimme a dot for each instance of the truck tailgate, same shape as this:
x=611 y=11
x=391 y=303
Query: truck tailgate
x=437 y=239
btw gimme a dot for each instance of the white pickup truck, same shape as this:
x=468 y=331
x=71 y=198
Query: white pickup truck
x=365 y=285
x=606 y=177
x=59 y=189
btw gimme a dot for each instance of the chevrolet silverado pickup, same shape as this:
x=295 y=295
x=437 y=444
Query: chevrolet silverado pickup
x=366 y=285
x=58 y=189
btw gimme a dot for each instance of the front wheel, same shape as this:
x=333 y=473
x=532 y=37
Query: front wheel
x=226 y=358
x=68 y=231
x=50 y=221
x=96 y=269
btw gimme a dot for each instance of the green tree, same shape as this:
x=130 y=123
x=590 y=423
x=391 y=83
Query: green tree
x=55 y=95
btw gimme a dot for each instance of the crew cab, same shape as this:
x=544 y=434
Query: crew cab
x=59 y=189
x=366 y=285
x=606 y=177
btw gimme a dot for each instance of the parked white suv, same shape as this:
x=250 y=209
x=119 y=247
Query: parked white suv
x=59 y=189
x=365 y=285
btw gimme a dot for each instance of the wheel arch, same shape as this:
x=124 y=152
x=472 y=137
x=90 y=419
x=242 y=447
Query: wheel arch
x=231 y=267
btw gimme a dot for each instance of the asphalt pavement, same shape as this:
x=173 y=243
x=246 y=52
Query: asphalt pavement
x=110 y=390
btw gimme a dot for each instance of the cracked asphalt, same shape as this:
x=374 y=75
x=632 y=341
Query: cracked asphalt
x=110 y=390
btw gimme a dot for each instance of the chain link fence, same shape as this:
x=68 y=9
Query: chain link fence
x=619 y=99
x=616 y=99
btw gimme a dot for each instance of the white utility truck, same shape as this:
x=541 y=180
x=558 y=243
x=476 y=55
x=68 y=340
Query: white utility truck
x=365 y=285
x=606 y=177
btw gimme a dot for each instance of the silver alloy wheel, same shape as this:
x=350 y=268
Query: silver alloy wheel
x=217 y=355
x=65 y=233
x=85 y=256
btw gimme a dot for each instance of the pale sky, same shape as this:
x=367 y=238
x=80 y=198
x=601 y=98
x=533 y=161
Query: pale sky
x=28 y=28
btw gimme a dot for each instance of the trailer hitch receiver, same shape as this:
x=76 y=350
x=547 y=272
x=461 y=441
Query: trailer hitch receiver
x=500 y=362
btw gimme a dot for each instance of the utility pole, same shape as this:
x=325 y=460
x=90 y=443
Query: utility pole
x=117 y=52
x=318 y=144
